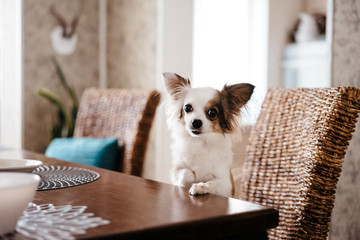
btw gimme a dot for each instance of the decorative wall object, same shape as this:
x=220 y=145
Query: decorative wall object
x=64 y=37
x=307 y=29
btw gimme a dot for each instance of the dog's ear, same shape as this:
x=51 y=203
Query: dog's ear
x=237 y=95
x=233 y=98
x=175 y=85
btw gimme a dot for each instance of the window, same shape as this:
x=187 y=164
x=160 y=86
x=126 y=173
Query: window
x=230 y=46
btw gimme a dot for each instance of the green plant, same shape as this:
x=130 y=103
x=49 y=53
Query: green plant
x=64 y=127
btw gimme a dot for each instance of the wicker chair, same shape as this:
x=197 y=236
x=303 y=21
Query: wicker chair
x=124 y=114
x=295 y=155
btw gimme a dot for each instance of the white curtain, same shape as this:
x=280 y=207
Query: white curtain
x=230 y=46
x=10 y=74
x=221 y=42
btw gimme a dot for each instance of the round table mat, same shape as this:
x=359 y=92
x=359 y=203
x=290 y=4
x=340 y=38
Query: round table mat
x=55 y=177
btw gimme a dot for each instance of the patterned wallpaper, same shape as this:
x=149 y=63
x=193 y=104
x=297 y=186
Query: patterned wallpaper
x=80 y=68
x=345 y=223
x=131 y=54
x=132 y=39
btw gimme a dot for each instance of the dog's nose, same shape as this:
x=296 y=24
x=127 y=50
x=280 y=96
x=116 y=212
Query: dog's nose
x=197 y=123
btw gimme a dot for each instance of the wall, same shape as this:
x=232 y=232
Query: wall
x=345 y=223
x=315 y=6
x=80 y=68
x=132 y=39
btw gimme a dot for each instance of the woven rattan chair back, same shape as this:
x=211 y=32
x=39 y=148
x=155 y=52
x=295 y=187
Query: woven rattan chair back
x=126 y=114
x=295 y=155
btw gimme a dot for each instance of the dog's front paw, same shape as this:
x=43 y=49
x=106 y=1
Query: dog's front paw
x=199 y=189
x=183 y=177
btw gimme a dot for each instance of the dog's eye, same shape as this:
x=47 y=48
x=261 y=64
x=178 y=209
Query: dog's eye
x=188 y=108
x=211 y=113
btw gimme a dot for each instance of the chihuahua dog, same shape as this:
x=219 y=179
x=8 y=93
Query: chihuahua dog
x=203 y=122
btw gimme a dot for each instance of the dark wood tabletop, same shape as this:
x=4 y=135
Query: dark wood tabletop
x=138 y=208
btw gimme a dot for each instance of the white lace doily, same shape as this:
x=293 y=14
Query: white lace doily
x=51 y=222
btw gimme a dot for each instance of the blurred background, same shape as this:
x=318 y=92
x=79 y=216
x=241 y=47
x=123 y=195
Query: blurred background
x=129 y=43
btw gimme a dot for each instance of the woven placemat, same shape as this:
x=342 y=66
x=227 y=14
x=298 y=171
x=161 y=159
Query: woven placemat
x=54 y=177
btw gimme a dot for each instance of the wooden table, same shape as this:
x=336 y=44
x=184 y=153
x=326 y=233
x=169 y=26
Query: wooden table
x=139 y=208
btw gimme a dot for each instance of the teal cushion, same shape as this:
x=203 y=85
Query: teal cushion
x=98 y=152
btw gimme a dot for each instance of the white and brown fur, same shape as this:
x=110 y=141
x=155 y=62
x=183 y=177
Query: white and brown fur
x=203 y=122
